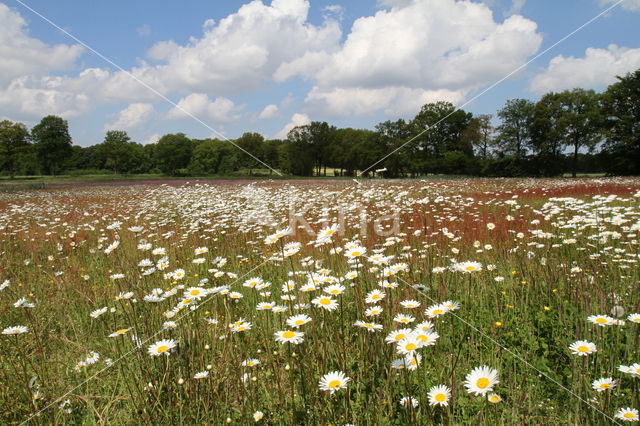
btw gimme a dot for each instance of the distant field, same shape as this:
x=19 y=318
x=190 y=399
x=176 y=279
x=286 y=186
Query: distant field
x=460 y=301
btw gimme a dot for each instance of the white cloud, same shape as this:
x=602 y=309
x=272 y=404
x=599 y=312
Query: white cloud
x=392 y=101
x=151 y=139
x=199 y=105
x=415 y=48
x=296 y=120
x=270 y=111
x=22 y=55
x=333 y=11
x=144 y=30
x=131 y=117
x=242 y=50
x=516 y=7
x=597 y=69
x=633 y=5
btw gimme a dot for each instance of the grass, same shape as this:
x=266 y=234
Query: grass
x=549 y=254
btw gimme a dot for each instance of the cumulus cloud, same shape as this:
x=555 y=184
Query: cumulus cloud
x=417 y=47
x=22 y=55
x=243 y=50
x=132 y=116
x=633 y=5
x=199 y=105
x=516 y=7
x=151 y=139
x=596 y=69
x=297 y=119
x=270 y=111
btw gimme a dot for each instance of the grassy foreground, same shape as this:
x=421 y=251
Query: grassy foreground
x=224 y=303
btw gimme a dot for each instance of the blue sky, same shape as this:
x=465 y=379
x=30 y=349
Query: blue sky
x=267 y=66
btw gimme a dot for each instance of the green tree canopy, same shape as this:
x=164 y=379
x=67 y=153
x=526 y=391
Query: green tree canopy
x=14 y=142
x=52 y=142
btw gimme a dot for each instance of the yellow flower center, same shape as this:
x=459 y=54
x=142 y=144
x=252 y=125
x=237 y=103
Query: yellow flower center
x=628 y=415
x=583 y=348
x=605 y=386
x=470 y=268
x=355 y=253
x=482 y=383
x=440 y=397
x=195 y=292
x=437 y=312
x=334 y=384
x=601 y=320
x=288 y=334
x=122 y=331
x=325 y=301
x=400 y=336
x=299 y=322
x=410 y=346
x=423 y=338
x=162 y=349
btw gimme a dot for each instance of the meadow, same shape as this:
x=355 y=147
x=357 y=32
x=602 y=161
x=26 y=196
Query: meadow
x=466 y=301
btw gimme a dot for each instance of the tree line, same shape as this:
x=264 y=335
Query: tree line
x=573 y=131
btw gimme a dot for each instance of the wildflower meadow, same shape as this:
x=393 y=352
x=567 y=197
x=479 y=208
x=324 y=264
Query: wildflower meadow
x=463 y=301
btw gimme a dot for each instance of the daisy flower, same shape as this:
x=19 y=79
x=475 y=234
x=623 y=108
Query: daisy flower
x=397 y=335
x=162 y=347
x=424 y=325
x=119 y=332
x=601 y=320
x=467 y=267
x=404 y=319
x=582 y=348
x=288 y=336
x=370 y=326
x=603 y=384
x=250 y=362
x=481 y=380
x=325 y=302
x=427 y=338
x=257 y=416
x=333 y=381
x=296 y=321
x=373 y=311
x=434 y=311
x=334 y=289
x=439 y=395
x=409 y=401
x=16 y=329
x=627 y=415
x=95 y=314
x=355 y=252
x=201 y=375
x=634 y=318
x=374 y=296
x=410 y=304
x=408 y=345
x=494 y=398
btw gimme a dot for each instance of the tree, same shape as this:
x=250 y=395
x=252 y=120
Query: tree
x=213 y=156
x=580 y=122
x=173 y=152
x=479 y=133
x=445 y=125
x=52 y=143
x=14 y=142
x=621 y=109
x=514 y=133
x=251 y=143
x=115 y=150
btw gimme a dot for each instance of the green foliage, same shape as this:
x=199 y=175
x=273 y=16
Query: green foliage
x=173 y=152
x=52 y=143
x=14 y=145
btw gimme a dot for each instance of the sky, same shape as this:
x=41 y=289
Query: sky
x=220 y=68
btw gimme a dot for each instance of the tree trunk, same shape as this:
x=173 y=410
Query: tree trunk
x=575 y=159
